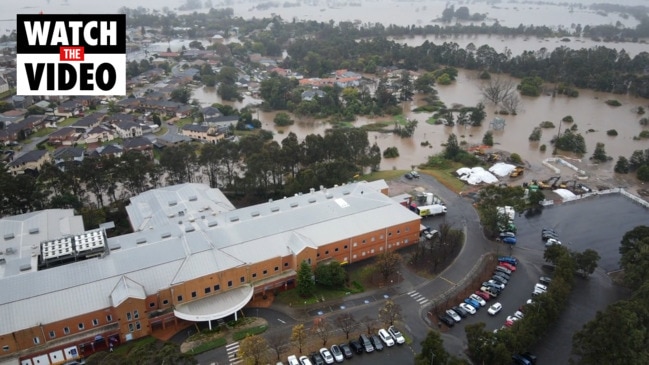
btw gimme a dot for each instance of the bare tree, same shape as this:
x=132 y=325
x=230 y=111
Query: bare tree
x=254 y=350
x=322 y=327
x=277 y=342
x=347 y=323
x=388 y=263
x=389 y=313
x=511 y=103
x=369 y=323
x=299 y=336
x=496 y=90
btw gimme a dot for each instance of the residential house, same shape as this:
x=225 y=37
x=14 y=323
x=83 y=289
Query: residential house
x=66 y=136
x=210 y=113
x=69 y=108
x=128 y=129
x=217 y=38
x=120 y=117
x=170 y=140
x=29 y=163
x=89 y=121
x=184 y=111
x=12 y=116
x=223 y=122
x=51 y=121
x=22 y=101
x=128 y=105
x=99 y=134
x=309 y=95
x=111 y=150
x=65 y=156
x=140 y=144
x=202 y=133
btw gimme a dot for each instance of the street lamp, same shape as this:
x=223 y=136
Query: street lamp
x=432 y=357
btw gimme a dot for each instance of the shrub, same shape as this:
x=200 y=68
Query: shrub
x=535 y=135
x=611 y=132
x=546 y=124
x=485 y=75
x=282 y=119
x=542 y=148
x=613 y=102
x=391 y=152
x=488 y=138
x=643 y=173
x=644 y=121
x=644 y=134
x=568 y=119
x=516 y=158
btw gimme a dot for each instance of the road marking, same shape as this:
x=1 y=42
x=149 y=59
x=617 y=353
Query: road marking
x=281 y=320
x=422 y=300
x=446 y=280
x=410 y=293
x=232 y=350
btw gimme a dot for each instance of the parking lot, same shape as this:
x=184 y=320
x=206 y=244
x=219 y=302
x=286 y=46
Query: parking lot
x=389 y=356
x=599 y=224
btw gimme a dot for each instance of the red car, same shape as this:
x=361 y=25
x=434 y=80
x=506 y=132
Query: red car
x=511 y=267
x=483 y=295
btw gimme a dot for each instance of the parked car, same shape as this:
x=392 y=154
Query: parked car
x=317 y=359
x=503 y=269
x=495 y=284
x=337 y=353
x=502 y=275
x=500 y=279
x=552 y=242
x=529 y=356
x=456 y=317
x=520 y=360
x=292 y=360
x=408 y=176
x=414 y=174
x=398 y=337
x=472 y=303
x=469 y=309
x=495 y=308
x=545 y=280
x=356 y=347
x=376 y=342
x=386 y=337
x=447 y=320
x=508 y=259
x=519 y=314
x=347 y=351
x=482 y=295
x=539 y=289
x=305 y=360
x=504 y=235
x=489 y=290
x=327 y=356
x=366 y=343
x=509 y=240
x=509 y=267
x=478 y=299
x=461 y=312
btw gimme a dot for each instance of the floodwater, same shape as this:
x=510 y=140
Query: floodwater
x=589 y=111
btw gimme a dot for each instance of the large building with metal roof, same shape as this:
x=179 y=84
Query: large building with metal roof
x=191 y=256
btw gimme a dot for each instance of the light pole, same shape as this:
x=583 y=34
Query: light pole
x=432 y=357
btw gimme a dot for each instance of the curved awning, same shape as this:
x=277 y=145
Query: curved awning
x=215 y=306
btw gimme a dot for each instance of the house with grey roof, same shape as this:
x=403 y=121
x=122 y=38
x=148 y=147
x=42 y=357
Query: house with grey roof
x=65 y=156
x=30 y=163
x=128 y=129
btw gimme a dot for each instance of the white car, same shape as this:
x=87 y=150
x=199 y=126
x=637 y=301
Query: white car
x=512 y=319
x=468 y=308
x=456 y=317
x=495 y=308
x=539 y=289
x=386 y=338
x=496 y=283
x=305 y=360
x=292 y=360
x=552 y=242
x=326 y=355
x=519 y=314
x=398 y=337
x=478 y=299
x=338 y=353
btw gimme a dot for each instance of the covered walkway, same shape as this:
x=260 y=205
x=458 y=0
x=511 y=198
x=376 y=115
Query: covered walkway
x=215 y=306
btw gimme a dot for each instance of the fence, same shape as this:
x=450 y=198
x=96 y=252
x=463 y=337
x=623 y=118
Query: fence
x=621 y=191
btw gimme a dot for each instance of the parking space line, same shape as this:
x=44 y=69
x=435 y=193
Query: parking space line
x=446 y=280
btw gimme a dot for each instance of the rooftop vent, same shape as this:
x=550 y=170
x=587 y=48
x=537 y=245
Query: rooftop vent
x=165 y=235
x=189 y=229
x=193 y=198
x=140 y=241
x=171 y=215
x=9 y=236
x=213 y=224
x=25 y=267
x=33 y=230
x=294 y=204
x=274 y=209
x=234 y=218
x=311 y=200
x=346 y=192
x=329 y=195
x=172 y=203
x=254 y=214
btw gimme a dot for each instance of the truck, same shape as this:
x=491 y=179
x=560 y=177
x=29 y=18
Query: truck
x=428 y=210
x=428 y=199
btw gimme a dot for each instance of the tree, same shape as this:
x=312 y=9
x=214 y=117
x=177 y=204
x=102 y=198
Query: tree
x=478 y=115
x=181 y=95
x=277 y=342
x=432 y=350
x=586 y=262
x=254 y=350
x=387 y=264
x=322 y=327
x=531 y=86
x=305 y=284
x=496 y=90
x=488 y=138
x=622 y=165
x=536 y=134
x=282 y=119
x=389 y=313
x=299 y=336
x=405 y=91
x=599 y=155
x=634 y=260
x=330 y=274
x=369 y=323
x=452 y=147
x=347 y=323
x=643 y=173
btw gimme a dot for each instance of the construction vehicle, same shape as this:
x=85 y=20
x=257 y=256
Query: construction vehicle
x=531 y=186
x=518 y=171
x=550 y=183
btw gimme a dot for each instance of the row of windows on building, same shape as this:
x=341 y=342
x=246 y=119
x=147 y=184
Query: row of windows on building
x=373 y=239
x=95 y=322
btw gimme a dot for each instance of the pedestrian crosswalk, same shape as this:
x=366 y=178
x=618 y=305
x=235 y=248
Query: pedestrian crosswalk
x=233 y=357
x=418 y=297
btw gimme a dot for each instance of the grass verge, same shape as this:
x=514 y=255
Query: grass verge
x=208 y=345
x=238 y=336
x=447 y=177
x=385 y=175
x=126 y=348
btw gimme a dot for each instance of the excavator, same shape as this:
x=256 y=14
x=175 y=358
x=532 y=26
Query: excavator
x=550 y=183
x=518 y=171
